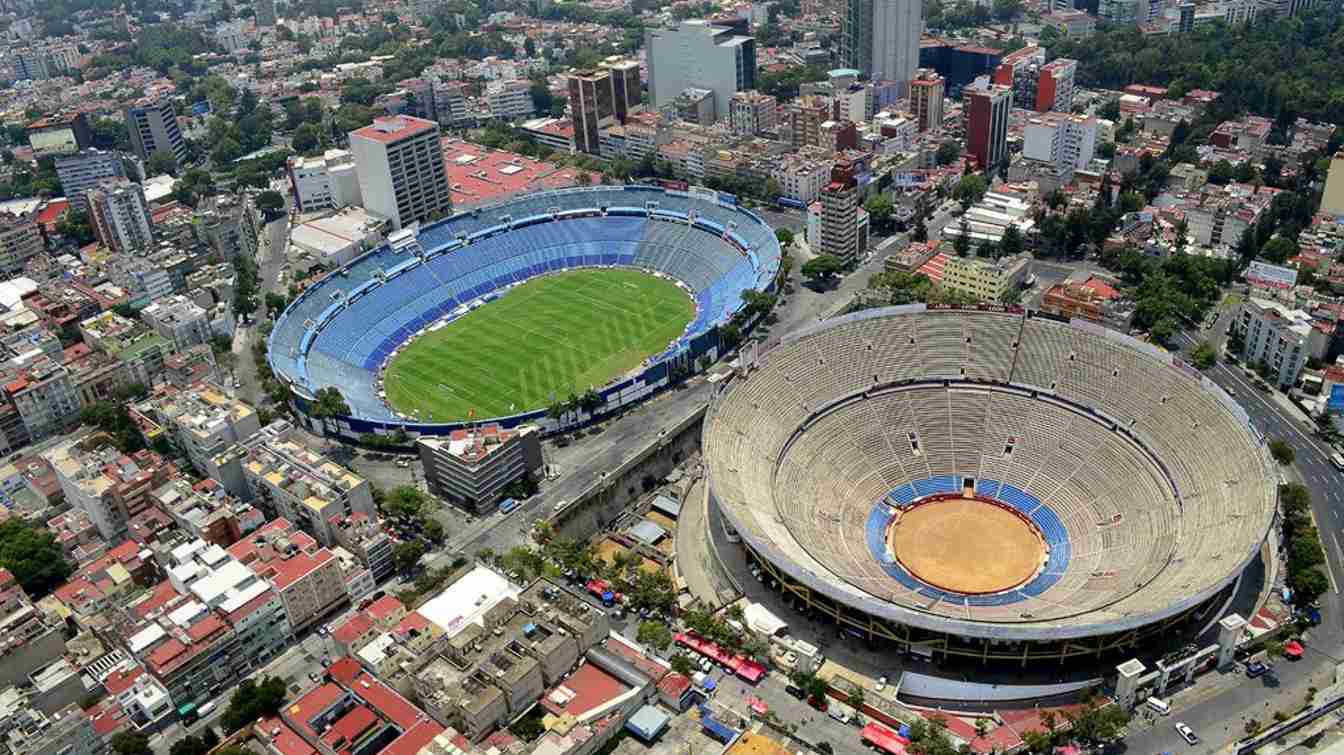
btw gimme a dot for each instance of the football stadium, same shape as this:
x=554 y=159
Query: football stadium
x=497 y=312
x=990 y=484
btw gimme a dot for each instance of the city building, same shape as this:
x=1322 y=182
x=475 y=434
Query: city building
x=120 y=215
x=602 y=97
x=926 y=99
x=29 y=640
x=206 y=511
x=286 y=479
x=350 y=706
x=802 y=175
x=501 y=653
x=988 y=220
x=695 y=105
x=752 y=112
x=701 y=54
x=63 y=134
x=472 y=467
x=308 y=578
x=68 y=731
x=880 y=38
x=1092 y=298
x=399 y=162
x=179 y=320
x=509 y=100
x=986 y=107
x=986 y=280
x=20 y=241
x=1038 y=85
x=329 y=182
x=265 y=13
x=360 y=534
x=85 y=169
x=335 y=238
x=141 y=350
x=153 y=127
x=801 y=120
x=201 y=422
x=1280 y=338
x=108 y=485
x=1064 y=141
x=210 y=623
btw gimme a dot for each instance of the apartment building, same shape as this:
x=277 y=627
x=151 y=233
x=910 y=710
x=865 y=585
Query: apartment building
x=288 y=480
x=986 y=108
x=153 y=127
x=28 y=639
x=360 y=534
x=352 y=705
x=502 y=653
x=801 y=120
x=927 y=90
x=802 y=175
x=986 y=280
x=600 y=98
x=209 y=624
x=120 y=215
x=509 y=100
x=1279 y=337
x=1067 y=142
x=840 y=220
x=179 y=320
x=62 y=134
x=470 y=468
x=87 y=168
x=108 y=485
x=140 y=350
x=68 y=731
x=307 y=577
x=752 y=112
x=44 y=394
x=20 y=241
x=399 y=163
x=329 y=182
x=202 y=422
x=207 y=512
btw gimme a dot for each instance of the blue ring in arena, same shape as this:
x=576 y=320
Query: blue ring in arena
x=1046 y=520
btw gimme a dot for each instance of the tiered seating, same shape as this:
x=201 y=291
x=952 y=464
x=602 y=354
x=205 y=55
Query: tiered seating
x=1167 y=505
x=385 y=314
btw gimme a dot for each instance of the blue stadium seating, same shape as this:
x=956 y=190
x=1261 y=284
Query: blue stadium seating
x=340 y=331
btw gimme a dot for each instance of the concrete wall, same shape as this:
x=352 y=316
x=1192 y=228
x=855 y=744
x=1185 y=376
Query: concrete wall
x=595 y=508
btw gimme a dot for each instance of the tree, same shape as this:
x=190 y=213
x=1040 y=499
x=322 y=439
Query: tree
x=161 y=162
x=1011 y=244
x=406 y=555
x=784 y=235
x=948 y=152
x=970 y=189
x=1097 y=725
x=112 y=418
x=962 y=243
x=921 y=232
x=655 y=634
x=1282 y=452
x=253 y=700
x=1205 y=355
x=75 y=225
x=683 y=665
x=856 y=697
x=275 y=304
x=306 y=138
x=433 y=530
x=880 y=209
x=271 y=203
x=329 y=404
x=131 y=743
x=822 y=268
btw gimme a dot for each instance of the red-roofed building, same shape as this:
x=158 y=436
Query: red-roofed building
x=279 y=738
x=1092 y=299
x=479 y=175
x=352 y=635
x=308 y=579
x=363 y=713
x=387 y=611
x=587 y=690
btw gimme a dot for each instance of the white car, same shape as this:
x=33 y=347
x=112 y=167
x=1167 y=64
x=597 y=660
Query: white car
x=706 y=665
x=1187 y=734
x=881 y=683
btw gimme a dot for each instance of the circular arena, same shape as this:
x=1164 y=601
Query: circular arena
x=999 y=485
x=348 y=328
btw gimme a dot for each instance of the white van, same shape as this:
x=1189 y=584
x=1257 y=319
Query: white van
x=1158 y=706
x=1337 y=459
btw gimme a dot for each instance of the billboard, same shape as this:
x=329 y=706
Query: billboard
x=1265 y=275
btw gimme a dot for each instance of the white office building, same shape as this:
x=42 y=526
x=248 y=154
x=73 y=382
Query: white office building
x=698 y=54
x=399 y=161
x=329 y=182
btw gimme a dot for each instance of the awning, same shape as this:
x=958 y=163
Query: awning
x=758 y=705
x=1293 y=649
x=760 y=619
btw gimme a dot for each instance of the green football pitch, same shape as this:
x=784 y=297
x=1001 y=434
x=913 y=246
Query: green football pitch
x=549 y=337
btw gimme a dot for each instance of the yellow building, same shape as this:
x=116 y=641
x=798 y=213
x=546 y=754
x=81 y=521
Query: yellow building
x=986 y=280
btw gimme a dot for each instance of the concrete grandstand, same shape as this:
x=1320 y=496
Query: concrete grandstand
x=342 y=331
x=1131 y=491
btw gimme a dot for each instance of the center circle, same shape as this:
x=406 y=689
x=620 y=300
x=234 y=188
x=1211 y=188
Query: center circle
x=971 y=546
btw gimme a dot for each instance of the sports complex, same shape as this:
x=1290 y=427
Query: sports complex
x=498 y=312
x=990 y=484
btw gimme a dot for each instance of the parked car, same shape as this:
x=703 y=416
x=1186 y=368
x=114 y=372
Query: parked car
x=1187 y=734
x=1256 y=668
x=795 y=692
x=881 y=683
